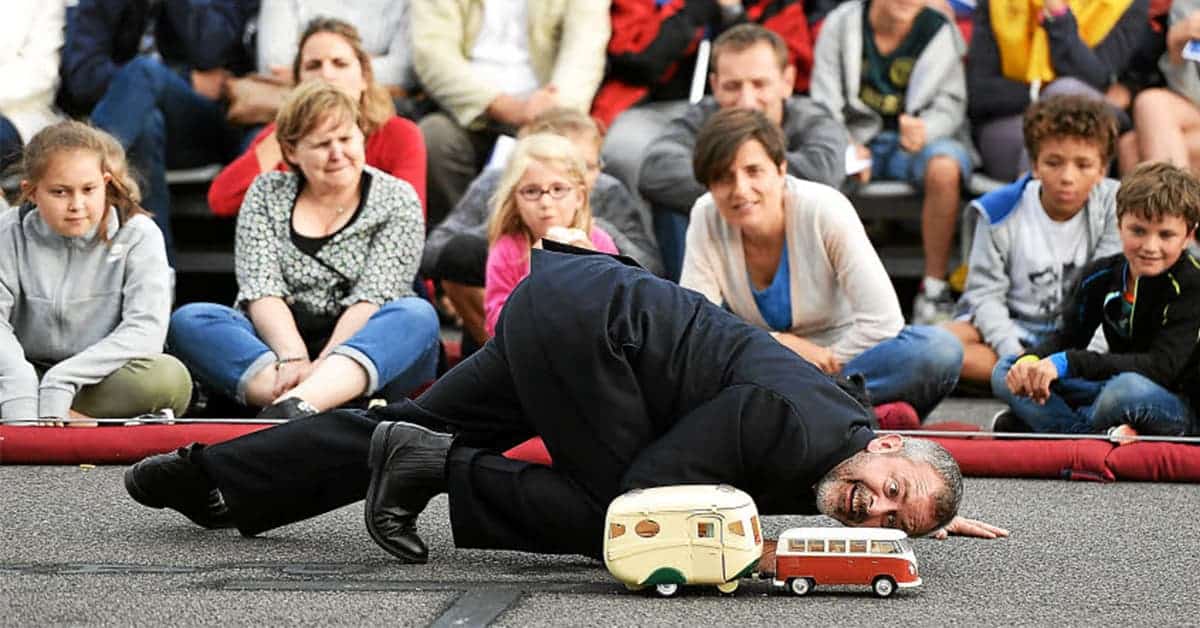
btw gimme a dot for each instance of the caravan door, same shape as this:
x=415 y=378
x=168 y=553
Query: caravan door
x=708 y=555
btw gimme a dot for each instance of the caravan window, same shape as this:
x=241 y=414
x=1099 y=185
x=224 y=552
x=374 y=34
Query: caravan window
x=646 y=528
x=615 y=530
x=737 y=528
x=706 y=530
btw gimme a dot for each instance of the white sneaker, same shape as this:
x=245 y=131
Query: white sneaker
x=933 y=310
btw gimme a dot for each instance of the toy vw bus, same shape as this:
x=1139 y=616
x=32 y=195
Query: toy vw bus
x=877 y=557
x=674 y=535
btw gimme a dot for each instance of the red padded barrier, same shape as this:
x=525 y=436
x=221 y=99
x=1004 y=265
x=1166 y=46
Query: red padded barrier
x=1066 y=459
x=108 y=445
x=1156 y=462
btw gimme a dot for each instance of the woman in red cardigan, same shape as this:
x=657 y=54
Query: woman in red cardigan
x=331 y=50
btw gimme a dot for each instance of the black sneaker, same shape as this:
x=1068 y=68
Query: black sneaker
x=290 y=408
x=1007 y=421
x=174 y=481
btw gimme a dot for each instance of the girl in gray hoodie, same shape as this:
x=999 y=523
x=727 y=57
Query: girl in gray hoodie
x=85 y=289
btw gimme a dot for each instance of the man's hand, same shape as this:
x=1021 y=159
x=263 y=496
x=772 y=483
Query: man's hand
x=288 y=375
x=912 y=133
x=540 y=101
x=864 y=175
x=821 y=357
x=961 y=526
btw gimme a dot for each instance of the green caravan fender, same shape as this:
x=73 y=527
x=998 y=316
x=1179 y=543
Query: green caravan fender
x=665 y=575
x=745 y=573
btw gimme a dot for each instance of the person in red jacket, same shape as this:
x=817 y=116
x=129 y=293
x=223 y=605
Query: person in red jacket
x=652 y=57
x=331 y=50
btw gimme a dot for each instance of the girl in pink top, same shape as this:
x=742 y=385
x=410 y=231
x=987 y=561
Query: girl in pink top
x=542 y=194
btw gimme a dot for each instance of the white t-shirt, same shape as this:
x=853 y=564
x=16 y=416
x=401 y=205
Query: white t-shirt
x=501 y=50
x=1046 y=256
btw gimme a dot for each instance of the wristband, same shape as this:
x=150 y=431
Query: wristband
x=281 y=361
x=1029 y=357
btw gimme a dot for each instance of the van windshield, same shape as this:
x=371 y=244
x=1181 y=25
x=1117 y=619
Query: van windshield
x=904 y=546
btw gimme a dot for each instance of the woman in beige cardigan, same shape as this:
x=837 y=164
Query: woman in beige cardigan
x=791 y=256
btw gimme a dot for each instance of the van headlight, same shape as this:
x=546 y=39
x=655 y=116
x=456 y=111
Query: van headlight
x=912 y=569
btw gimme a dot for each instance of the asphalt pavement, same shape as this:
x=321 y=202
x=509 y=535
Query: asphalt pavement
x=76 y=550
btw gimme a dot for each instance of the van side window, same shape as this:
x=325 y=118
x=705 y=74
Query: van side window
x=615 y=530
x=816 y=545
x=795 y=545
x=837 y=546
x=706 y=530
x=737 y=528
x=646 y=528
x=858 y=546
x=884 y=547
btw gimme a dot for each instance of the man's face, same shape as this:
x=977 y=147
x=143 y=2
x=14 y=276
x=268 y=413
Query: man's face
x=752 y=79
x=881 y=487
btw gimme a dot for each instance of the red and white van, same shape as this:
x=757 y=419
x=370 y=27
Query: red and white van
x=880 y=558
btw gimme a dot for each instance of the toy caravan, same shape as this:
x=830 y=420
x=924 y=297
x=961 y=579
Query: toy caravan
x=674 y=535
x=877 y=557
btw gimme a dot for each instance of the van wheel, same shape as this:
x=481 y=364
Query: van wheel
x=666 y=590
x=728 y=587
x=800 y=586
x=883 y=586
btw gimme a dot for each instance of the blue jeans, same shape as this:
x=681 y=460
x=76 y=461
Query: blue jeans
x=890 y=162
x=670 y=228
x=10 y=143
x=920 y=366
x=221 y=347
x=163 y=123
x=1081 y=406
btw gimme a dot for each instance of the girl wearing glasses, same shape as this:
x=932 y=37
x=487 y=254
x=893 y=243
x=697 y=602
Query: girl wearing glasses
x=542 y=194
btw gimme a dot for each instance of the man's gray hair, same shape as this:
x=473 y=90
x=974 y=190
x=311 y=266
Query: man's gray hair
x=947 y=500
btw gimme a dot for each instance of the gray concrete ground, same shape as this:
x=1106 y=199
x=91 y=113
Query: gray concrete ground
x=77 y=550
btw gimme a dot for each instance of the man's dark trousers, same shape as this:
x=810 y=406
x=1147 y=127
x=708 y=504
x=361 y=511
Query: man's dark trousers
x=630 y=380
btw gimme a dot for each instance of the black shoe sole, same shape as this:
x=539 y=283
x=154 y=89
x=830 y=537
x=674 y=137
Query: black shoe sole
x=136 y=492
x=376 y=458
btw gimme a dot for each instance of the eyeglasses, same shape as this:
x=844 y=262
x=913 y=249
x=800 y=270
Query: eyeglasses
x=534 y=193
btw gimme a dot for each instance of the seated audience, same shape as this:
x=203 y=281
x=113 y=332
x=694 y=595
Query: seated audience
x=751 y=70
x=330 y=50
x=652 y=61
x=382 y=27
x=792 y=257
x=90 y=345
x=1034 y=236
x=1147 y=301
x=890 y=71
x=31 y=37
x=456 y=250
x=1167 y=120
x=325 y=259
x=1022 y=50
x=492 y=67
x=543 y=193
x=160 y=94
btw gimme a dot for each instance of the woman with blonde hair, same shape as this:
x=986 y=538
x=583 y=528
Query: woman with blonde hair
x=331 y=50
x=543 y=193
x=325 y=259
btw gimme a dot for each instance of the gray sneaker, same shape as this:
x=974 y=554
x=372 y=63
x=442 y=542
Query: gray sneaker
x=933 y=310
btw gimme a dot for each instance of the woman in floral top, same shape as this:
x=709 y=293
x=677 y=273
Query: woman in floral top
x=325 y=259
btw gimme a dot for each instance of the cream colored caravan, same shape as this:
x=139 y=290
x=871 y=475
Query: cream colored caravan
x=674 y=535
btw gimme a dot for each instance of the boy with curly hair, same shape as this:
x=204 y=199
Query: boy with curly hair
x=1147 y=301
x=1034 y=235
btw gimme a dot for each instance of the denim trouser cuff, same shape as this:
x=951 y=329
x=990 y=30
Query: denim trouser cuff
x=259 y=363
x=364 y=361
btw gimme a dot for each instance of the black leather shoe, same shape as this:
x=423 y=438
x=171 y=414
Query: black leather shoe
x=174 y=481
x=408 y=467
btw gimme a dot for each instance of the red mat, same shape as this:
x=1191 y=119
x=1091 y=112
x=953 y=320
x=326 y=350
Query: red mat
x=979 y=457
